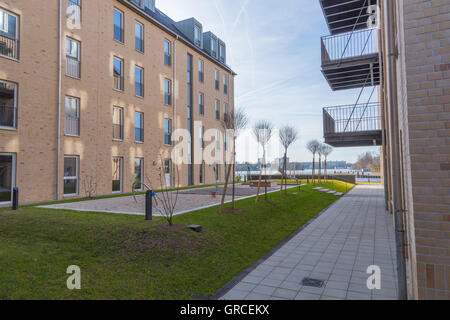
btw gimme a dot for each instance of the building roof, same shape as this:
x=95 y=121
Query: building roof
x=162 y=20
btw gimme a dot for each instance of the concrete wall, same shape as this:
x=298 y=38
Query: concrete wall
x=36 y=73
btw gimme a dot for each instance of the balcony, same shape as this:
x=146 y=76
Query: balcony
x=346 y=15
x=8 y=115
x=351 y=60
x=73 y=68
x=353 y=125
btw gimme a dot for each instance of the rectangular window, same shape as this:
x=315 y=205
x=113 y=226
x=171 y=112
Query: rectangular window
x=73 y=64
x=167 y=53
x=225 y=84
x=217 y=108
x=74 y=10
x=118 y=74
x=7 y=176
x=139 y=37
x=117 y=123
x=139 y=81
x=225 y=115
x=71 y=175
x=117 y=163
x=118 y=25
x=138 y=174
x=201 y=74
x=72 y=116
x=213 y=48
x=138 y=127
x=222 y=53
x=201 y=137
x=167 y=132
x=197 y=35
x=225 y=143
x=216 y=79
x=8 y=105
x=9 y=35
x=217 y=139
x=167 y=92
x=201 y=104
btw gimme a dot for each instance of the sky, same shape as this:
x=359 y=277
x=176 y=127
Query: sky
x=274 y=47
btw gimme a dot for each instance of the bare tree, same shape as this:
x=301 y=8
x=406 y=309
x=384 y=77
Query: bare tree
x=326 y=151
x=288 y=135
x=90 y=186
x=234 y=122
x=263 y=131
x=313 y=147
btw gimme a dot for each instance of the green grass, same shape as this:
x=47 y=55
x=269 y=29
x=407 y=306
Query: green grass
x=335 y=185
x=125 y=257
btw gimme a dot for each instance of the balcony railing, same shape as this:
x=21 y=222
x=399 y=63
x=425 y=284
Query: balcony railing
x=72 y=67
x=349 y=45
x=139 y=134
x=117 y=131
x=8 y=116
x=9 y=47
x=72 y=126
x=352 y=118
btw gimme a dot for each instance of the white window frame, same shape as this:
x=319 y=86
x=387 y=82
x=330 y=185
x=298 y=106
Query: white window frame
x=122 y=25
x=13 y=176
x=142 y=37
x=4 y=13
x=76 y=177
x=77 y=104
x=142 y=93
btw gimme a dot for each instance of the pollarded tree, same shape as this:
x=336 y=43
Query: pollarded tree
x=313 y=147
x=263 y=131
x=288 y=135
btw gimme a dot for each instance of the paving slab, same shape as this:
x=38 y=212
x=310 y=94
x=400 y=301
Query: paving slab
x=337 y=247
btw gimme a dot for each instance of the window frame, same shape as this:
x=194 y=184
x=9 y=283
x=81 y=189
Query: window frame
x=13 y=175
x=122 y=77
x=121 y=124
x=216 y=79
x=168 y=57
x=201 y=71
x=77 y=59
x=16 y=99
x=168 y=85
x=120 y=174
x=217 y=109
x=122 y=26
x=141 y=187
x=142 y=37
x=78 y=101
x=76 y=177
x=168 y=131
x=142 y=93
x=17 y=36
x=141 y=126
x=201 y=103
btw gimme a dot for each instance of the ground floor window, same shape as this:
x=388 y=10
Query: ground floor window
x=7 y=176
x=71 y=175
x=117 y=174
x=218 y=172
x=138 y=173
x=168 y=173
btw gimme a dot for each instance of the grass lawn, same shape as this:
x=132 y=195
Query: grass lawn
x=125 y=257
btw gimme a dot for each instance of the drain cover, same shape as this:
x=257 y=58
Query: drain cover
x=308 y=282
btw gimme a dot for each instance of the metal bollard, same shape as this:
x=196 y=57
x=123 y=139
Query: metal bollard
x=15 y=199
x=149 y=205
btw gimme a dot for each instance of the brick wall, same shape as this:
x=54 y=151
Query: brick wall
x=427 y=62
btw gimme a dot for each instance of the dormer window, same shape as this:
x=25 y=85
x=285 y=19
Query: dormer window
x=213 y=47
x=197 y=33
x=221 y=53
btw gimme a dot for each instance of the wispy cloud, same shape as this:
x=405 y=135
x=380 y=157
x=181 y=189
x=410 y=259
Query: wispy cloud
x=274 y=47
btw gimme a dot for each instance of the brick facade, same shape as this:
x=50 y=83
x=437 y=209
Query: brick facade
x=36 y=73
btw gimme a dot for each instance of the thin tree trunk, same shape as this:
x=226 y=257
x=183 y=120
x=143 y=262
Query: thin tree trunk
x=234 y=173
x=285 y=173
x=225 y=189
x=259 y=181
x=320 y=170
x=314 y=169
x=265 y=176
x=326 y=173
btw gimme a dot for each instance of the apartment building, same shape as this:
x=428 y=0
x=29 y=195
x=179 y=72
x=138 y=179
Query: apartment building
x=91 y=93
x=399 y=51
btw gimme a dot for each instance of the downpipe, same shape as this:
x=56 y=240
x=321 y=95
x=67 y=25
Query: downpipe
x=395 y=145
x=58 y=133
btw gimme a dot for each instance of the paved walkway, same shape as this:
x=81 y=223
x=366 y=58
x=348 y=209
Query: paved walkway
x=337 y=248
